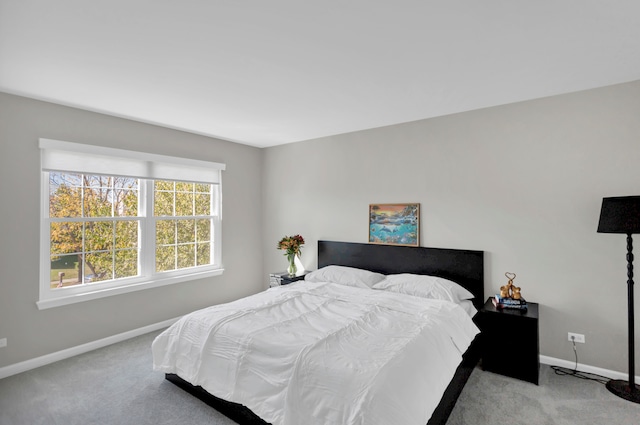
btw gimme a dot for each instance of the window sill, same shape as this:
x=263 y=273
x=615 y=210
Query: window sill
x=44 y=304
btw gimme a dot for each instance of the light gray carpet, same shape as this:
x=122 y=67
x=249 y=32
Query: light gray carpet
x=489 y=398
x=116 y=385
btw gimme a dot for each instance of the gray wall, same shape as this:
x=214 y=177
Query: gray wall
x=31 y=332
x=523 y=182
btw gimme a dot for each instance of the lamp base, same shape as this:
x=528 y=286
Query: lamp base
x=623 y=390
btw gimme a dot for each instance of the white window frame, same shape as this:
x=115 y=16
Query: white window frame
x=80 y=158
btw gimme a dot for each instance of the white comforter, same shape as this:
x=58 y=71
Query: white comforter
x=322 y=353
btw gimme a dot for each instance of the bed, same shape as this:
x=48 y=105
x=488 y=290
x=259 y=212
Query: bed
x=353 y=374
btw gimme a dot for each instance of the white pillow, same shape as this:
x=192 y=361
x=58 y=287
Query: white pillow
x=424 y=286
x=348 y=276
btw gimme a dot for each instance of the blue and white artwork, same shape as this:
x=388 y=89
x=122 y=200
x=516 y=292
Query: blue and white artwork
x=394 y=224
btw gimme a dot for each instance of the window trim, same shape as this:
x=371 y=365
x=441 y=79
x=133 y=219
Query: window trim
x=122 y=289
x=49 y=298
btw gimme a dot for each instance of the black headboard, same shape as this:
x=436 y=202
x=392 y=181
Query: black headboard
x=464 y=267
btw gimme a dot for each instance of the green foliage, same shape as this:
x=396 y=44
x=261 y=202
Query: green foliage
x=183 y=242
x=96 y=245
x=108 y=249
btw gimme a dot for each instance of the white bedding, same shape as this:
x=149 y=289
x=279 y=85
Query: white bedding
x=322 y=353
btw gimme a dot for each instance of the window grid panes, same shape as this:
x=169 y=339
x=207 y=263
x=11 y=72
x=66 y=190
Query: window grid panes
x=89 y=239
x=184 y=240
x=95 y=227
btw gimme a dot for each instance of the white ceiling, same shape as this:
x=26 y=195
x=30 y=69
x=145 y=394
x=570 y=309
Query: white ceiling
x=265 y=73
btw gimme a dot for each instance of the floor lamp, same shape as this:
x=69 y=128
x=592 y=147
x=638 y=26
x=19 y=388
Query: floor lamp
x=622 y=215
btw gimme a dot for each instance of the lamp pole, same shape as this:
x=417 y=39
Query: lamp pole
x=632 y=371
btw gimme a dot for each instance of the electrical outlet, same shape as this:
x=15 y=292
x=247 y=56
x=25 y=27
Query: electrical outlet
x=576 y=337
x=3 y=342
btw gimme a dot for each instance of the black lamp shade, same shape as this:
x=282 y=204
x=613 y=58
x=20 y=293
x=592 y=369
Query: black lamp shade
x=620 y=215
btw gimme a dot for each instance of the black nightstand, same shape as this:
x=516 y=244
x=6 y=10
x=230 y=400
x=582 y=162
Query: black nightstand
x=283 y=278
x=510 y=344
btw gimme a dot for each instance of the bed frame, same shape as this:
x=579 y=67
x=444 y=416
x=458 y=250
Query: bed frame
x=464 y=267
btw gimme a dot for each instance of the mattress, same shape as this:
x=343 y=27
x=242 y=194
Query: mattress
x=322 y=353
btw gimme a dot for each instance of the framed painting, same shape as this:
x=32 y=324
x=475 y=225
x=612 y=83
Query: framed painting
x=394 y=224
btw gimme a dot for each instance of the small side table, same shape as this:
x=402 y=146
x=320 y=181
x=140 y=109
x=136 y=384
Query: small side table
x=283 y=278
x=511 y=344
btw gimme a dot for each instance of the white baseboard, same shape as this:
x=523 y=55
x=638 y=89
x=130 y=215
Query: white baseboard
x=552 y=361
x=80 y=349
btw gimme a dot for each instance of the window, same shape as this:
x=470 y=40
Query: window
x=116 y=221
x=93 y=228
x=182 y=224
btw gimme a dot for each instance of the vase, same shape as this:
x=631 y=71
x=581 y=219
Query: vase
x=292 y=269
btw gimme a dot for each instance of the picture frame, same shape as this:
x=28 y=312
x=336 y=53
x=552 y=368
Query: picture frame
x=394 y=224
